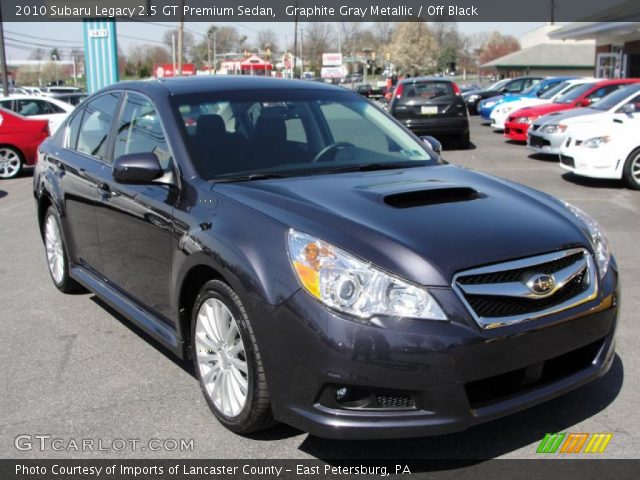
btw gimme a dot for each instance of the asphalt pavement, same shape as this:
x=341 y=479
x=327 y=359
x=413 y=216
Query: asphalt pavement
x=72 y=369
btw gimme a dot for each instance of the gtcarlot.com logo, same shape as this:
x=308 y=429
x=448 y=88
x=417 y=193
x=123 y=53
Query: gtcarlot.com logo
x=574 y=443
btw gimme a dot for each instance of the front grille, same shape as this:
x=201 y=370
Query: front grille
x=569 y=161
x=495 y=306
x=508 y=293
x=501 y=387
x=536 y=141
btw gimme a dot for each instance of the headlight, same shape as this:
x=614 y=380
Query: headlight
x=473 y=98
x=596 y=142
x=553 y=128
x=597 y=236
x=350 y=285
x=526 y=120
x=489 y=104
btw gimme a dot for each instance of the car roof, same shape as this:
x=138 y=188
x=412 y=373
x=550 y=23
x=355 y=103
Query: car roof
x=425 y=79
x=218 y=83
x=21 y=96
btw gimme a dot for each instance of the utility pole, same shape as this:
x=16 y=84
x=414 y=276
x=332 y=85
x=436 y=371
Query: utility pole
x=181 y=37
x=301 y=52
x=173 y=51
x=553 y=12
x=3 y=60
x=295 y=44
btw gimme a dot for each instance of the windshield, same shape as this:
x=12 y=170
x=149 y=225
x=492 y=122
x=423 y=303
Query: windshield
x=552 y=92
x=499 y=85
x=572 y=95
x=613 y=99
x=292 y=133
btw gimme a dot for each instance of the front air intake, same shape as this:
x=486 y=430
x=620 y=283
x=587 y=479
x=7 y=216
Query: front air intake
x=431 y=196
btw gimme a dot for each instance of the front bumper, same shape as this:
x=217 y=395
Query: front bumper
x=516 y=131
x=437 y=125
x=600 y=162
x=550 y=143
x=454 y=371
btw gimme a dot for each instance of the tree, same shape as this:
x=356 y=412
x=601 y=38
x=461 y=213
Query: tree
x=317 y=40
x=37 y=54
x=413 y=48
x=187 y=42
x=497 y=46
x=267 y=38
x=449 y=43
x=54 y=54
x=141 y=59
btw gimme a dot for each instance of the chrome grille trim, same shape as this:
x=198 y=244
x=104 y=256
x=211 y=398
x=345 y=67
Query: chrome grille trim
x=520 y=290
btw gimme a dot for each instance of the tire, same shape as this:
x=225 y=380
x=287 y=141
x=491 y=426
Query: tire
x=631 y=172
x=464 y=140
x=56 y=253
x=222 y=346
x=11 y=162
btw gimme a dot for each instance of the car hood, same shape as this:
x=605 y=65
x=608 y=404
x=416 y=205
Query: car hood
x=546 y=109
x=481 y=93
x=575 y=114
x=423 y=223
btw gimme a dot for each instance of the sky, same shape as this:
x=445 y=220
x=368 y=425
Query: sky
x=21 y=38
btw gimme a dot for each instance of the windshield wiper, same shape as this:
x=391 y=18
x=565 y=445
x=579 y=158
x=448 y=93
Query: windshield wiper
x=370 y=167
x=248 y=177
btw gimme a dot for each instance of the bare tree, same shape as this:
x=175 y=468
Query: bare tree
x=188 y=42
x=497 y=46
x=317 y=40
x=267 y=38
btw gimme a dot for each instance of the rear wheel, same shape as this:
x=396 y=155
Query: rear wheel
x=57 y=258
x=631 y=172
x=464 y=140
x=10 y=162
x=227 y=360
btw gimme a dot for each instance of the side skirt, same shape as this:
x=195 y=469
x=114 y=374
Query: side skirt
x=140 y=316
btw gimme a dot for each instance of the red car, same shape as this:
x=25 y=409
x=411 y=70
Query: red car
x=19 y=141
x=518 y=123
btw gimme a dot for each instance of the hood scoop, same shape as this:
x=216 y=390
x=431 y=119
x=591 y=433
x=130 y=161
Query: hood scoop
x=431 y=196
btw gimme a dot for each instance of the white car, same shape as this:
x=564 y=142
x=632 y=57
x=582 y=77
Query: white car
x=620 y=105
x=34 y=106
x=604 y=150
x=500 y=114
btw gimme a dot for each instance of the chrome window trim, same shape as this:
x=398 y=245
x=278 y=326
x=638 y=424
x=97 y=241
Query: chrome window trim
x=497 y=322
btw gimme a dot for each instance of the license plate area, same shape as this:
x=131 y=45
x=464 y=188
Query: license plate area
x=428 y=110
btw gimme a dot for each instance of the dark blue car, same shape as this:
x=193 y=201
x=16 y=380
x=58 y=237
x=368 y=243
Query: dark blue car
x=318 y=263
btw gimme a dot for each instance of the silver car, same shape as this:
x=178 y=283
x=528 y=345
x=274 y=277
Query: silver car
x=547 y=133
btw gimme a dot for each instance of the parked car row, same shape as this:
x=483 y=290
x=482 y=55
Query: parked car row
x=25 y=121
x=586 y=122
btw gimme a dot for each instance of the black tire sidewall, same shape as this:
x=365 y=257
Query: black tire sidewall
x=221 y=291
x=627 y=172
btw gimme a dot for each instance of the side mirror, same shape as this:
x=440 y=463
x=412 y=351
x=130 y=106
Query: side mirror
x=627 y=109
x=435 y=145
x=585 y=102
x=137 y=168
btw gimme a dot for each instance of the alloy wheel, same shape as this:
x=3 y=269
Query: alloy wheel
x=55 y=253
x=10 y=163
x=221 y=357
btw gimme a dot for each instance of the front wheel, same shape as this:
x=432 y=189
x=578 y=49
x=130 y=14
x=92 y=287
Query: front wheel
x=631 y=173
x=227 y=360
x=10 y=162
